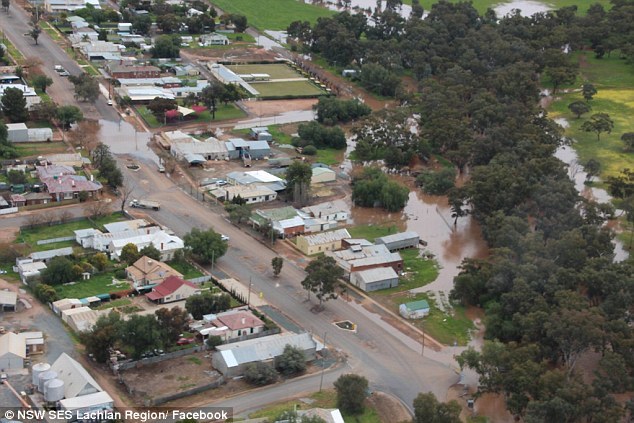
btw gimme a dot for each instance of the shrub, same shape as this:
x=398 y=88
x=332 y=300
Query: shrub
x=260 y=374
x=309 y=150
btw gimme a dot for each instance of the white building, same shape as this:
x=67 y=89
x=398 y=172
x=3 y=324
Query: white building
x=28 y=269
x=328 y=211
x=57 y=6
x=251 y=194
x=165 y=243
x=214 y=39
x=19 y=132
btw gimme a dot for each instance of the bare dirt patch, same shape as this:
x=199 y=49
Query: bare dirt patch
x=275 y=107
x=388 y=408
x=170 y=376
x=237 y=54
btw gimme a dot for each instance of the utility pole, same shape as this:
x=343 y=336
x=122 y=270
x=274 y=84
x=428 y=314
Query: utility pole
x=423 y=329
x=212 y=259
x=249 y=296
x=321 y=379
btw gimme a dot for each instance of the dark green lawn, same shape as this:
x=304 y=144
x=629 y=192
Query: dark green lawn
x=97 y=284
x=276 y=14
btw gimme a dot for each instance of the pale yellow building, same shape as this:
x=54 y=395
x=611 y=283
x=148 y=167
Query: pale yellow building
x=325 y=241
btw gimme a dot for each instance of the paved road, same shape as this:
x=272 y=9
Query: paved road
x=15 y=24
x=392 y=365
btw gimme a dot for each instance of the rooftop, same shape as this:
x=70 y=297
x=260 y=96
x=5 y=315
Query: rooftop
x=377 y=274
x=279 y=213
x=327 y=237
x=74 y=375
x=52 y=171
x=168 y=287
x=239 y=320
x=417 y=305
x=261 y=349
x=401 y=236
x=127 y=225
x=45 y=255
x=70 y=183
x=248 y=191
x=13 y=344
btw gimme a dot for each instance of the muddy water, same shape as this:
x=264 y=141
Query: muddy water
x=526 y=7
x=360 y=6
x=430 y=217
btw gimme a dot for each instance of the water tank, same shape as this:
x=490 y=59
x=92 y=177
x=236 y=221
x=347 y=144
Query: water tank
x=38 y=369
x=45 y=377
x=54 y=390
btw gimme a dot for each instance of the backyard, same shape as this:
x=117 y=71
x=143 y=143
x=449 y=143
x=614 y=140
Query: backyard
x=102 y=283
x=223 y=112
x=34 y=149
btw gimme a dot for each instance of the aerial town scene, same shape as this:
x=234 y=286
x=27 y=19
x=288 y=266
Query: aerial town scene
x=317 y=211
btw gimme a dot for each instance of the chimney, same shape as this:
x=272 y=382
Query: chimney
x=150 y=261
x=147 y=231
x=72 y=182
x=244 y=320
x=162 y=246
x=92 y=178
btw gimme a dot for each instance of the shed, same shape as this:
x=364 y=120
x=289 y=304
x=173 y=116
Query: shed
x=399 y=241
x=47 y=255
x=414 y=309
x=374 y=279
x=17 y=132
x=322 y=174
x=12 y=351
x=77 y=381
x=8 y=300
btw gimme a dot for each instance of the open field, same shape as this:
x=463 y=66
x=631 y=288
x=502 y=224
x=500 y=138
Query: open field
x=276 y=71
x=614 y=80
x=292 y=88
x=223 y=112
x=276 y=15
x=370 y=232
x=34 y=149
x=483 y=5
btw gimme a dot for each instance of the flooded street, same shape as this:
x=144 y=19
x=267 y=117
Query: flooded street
x=123 y=138
x=526 y=7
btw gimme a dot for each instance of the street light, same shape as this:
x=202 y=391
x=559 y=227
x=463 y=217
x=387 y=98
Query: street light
x=321 y=378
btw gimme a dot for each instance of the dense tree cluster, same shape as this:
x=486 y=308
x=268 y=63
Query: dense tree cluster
x=107 y=165
x=86 y=87
x=206 y=303
x=331 y=110
x=135 y=335
x=7 y=149
x=14 y=105
x=205 y=246
x=372 y=188
x=320 y=136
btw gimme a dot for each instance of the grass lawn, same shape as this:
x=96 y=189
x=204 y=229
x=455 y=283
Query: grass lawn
x=483 y=5
x=149 y=118
x=188 y=271
x=277 y=71
x=12 y=51
x=324 y=399
x=31 y=236
x=443 y=327
x=241 y=37
x=370 y=232
x=276 y=15
x=329 y=156
x=292 y=88
x=279 y=136
x=419 y=272
x=40 y=148
x=614 y=80
x=230 y=111
x=50 y=30
x=97 y=284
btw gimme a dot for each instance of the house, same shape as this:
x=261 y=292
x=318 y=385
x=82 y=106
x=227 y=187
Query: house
x=322 y=175
x=414 y=309
x=187 y=70
x=32 y=198
x=374 y=279
x=28 y=93
x=82 y=393
x=232 y=359
x=17 y=132
x=399 y=241
x=260 y=133
x=8 y=300
x=193 y=12
x=233 y=324
x=251 y=194
x=145 y=273
x=290 y=227
x=257 y=177
x=238 y=148
x=328 y=211
x=83 y=319
x=12 y=351
x=263 y=216
x=172 y=289
x=210 y=149
x=65 y=304
x=213 y=39
x=29 y=269
x=162 y=241
x=133 y=71
x=95 y=239
x=57 y=6
x=17 y=200
x=363 y=257
x=68 y=187
x=325 y=241
x=54 y=171
x=313 y=225
x=144 y=94
x=83 y=33
x=132 y=39
x=48 y=255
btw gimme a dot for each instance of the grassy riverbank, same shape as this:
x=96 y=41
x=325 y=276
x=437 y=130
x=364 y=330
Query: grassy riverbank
x=614 y=80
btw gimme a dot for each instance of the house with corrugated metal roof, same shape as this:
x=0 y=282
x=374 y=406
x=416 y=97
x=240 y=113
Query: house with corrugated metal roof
x=322 y=242
x=232 y=359
x=374 y=279
x=399 y=241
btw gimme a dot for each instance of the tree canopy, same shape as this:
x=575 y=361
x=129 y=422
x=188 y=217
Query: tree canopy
x=205 y=246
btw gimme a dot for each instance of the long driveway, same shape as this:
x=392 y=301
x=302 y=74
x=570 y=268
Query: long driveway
x=16 y=24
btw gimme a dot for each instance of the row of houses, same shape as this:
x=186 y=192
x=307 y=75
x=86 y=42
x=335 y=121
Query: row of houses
x=185 y=147
x=289 y=221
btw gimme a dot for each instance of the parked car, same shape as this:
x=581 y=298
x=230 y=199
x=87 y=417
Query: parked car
x=185 y=341
x=224 y=237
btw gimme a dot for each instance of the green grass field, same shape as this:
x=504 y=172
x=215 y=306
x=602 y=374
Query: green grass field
x=282 y=89
x=276 y=14
x=97 y=284
x=187 y=270
x=277 y=71
x=370 y=232
x=614 y=80
x=230 y=111
x=482 y=5
x=40 y=148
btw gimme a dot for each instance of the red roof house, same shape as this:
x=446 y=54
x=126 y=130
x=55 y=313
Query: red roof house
x=172 y=289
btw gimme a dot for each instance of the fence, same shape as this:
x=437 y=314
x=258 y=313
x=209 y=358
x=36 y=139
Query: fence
x=9 y=210
x=157 y=359
x=162 y=400
x=201 y=279
x=54 y=240
x=254 y=335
